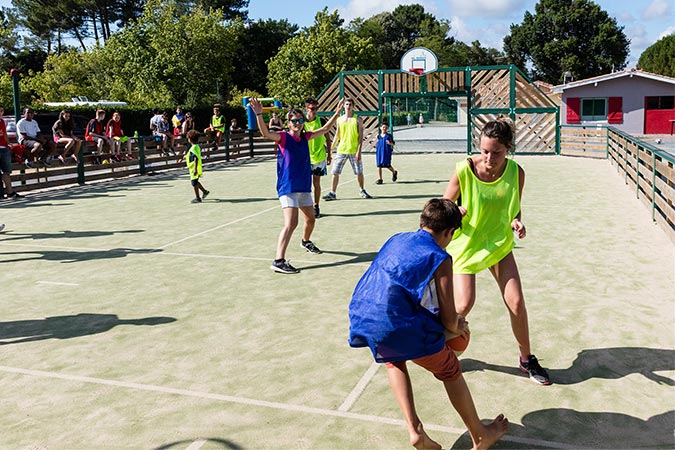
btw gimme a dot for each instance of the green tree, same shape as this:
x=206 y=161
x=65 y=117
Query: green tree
x=162 y=59
x=659 y=57
x=567 y=35
x=309 y=61
x=260 y=41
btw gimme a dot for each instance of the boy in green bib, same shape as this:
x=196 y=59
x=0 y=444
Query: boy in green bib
x=193 y=159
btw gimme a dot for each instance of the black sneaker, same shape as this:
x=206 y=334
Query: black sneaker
x=44 y=162
x=317 y=212
x=330 y=196
x=310 y=247
x=15 y=195
x=196 y=200
x=205 y=194
x=29 y=164
x=394 y=177
x=537 y=373
x=379 y=181
x=364 y=194
x=283 y=266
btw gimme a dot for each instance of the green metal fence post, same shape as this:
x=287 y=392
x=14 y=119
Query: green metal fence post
x=469 y=113
x=141 y=155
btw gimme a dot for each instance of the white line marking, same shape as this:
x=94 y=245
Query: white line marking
x=58 y=283
x=196 y=445
x=359 y=388
x=220 y=226
x=266 y=404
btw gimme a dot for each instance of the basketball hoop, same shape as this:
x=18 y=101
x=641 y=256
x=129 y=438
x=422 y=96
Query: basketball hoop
x=419 y=61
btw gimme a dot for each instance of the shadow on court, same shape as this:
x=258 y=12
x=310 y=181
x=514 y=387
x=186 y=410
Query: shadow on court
x=63 y=234
x=356 y=258
x=66 y=327
x=239 y=200
x=587 y=430
x=605 y=363
x=386 y=212
x=219 y=443
x=71 y=256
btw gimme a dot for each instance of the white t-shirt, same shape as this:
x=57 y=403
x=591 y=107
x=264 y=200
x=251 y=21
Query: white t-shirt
x=29 y=127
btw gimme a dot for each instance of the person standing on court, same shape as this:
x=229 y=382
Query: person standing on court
x=294 y=179
x=348 y=140
x=319 y=151
x=490 y=186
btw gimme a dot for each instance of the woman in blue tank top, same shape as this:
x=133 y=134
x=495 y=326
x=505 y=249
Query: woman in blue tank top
x=294 y=179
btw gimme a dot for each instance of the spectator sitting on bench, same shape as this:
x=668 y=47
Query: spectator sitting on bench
x=95 y=132
x=217 y=126
x=114 y=131
x=161 y=129
x=28 y=133
x=5 y=162
x=63 y=134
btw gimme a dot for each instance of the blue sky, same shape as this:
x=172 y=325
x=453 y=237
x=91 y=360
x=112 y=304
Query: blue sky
x=644 y=21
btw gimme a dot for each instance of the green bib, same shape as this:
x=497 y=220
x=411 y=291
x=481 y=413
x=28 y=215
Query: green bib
x=486 y=236
x=317 y=149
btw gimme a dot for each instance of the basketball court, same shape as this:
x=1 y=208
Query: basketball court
x=131 y=318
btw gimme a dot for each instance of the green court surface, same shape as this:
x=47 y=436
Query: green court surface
x=132 y=319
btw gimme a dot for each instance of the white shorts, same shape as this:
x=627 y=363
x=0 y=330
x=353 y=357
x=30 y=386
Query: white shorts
x=341 y=159
x=296 y=200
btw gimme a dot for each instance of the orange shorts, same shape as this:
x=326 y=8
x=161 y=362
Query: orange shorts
x=444 y=364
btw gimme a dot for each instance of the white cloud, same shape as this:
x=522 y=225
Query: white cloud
x=366 y=9
x=667 y=32
x=657 y=9
x=486 y=8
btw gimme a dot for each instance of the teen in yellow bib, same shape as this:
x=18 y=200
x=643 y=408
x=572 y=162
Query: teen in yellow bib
x=489 y=187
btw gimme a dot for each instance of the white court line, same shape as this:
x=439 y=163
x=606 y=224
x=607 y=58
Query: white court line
x=266 y=404
x=58 y=283
x=196 y=445
x=359 y=388
x=233 y=222
x=220 y=226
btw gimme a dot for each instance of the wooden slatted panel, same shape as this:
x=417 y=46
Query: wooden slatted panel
x=363 y=89
x=535 y=133
x=583 y=141
x=528 y=96
x=330 y=97
x=446 y=81
x=490 y=88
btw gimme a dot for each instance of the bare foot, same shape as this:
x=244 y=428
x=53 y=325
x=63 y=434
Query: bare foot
x=420 y=440
x=492 y=433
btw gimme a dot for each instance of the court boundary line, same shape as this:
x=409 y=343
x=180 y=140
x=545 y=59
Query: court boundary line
x=188 y=255
x=359 y=388
x=264 y=404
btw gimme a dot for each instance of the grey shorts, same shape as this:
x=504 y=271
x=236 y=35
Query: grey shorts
x=341 y=159
x=296 y=200
x=5 y=161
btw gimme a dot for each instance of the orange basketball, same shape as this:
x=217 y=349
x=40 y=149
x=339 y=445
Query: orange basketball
x=458 y=343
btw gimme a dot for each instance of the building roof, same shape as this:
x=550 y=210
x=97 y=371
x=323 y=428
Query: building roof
x=611 y=76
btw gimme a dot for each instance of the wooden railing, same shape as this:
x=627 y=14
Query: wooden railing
x=649 y=172
x=582 y=140
x=147 y=158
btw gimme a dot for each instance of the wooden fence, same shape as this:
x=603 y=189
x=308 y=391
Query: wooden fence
x=649 y=172
x=580 y=140
x=147 y=158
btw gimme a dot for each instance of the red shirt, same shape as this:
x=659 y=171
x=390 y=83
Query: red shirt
x=3 y=134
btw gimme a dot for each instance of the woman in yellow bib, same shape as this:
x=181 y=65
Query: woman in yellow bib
x=489 y=187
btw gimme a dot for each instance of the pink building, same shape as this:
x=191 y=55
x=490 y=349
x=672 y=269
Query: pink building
x=633 y=101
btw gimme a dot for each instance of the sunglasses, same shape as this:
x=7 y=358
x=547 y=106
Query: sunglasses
x=297 y=121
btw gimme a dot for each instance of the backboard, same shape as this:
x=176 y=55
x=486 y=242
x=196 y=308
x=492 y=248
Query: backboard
x=419 y=61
